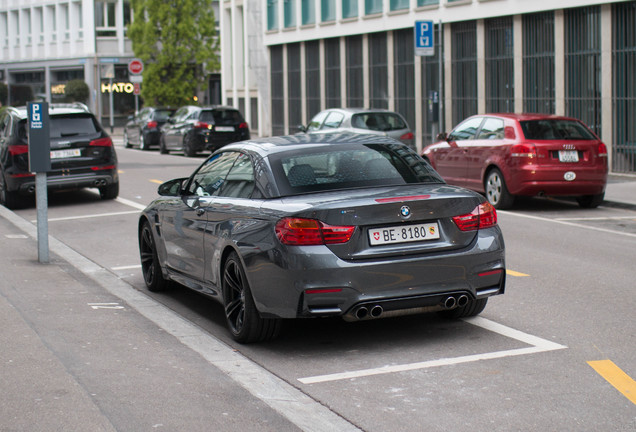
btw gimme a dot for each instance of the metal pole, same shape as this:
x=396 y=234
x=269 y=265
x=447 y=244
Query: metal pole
x=110 y=99
x=441 y=69
x=41 y=202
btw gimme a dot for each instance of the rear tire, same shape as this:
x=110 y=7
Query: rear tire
x=11 y=200
x=150 y=267
x=162 y=146
x=109 y=192
x=591 y=201
x=243 y=320
x=496 y=191
x=472 y=308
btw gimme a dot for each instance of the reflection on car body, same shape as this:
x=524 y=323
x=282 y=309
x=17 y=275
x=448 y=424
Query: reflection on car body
x=295 y=227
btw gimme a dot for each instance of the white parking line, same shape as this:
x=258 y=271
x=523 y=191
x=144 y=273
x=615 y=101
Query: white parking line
x=537 y=345
x=130 y=203
x=129 y=267
x=88 y=216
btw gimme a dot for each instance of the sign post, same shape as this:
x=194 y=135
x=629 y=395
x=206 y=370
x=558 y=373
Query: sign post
x=424 y=38
x=136 y=67
x=40 y=163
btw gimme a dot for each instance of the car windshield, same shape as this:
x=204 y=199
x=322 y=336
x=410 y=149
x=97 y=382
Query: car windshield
x=327 y=167
x=552 y=129
x=222 y=117
x=378 y=121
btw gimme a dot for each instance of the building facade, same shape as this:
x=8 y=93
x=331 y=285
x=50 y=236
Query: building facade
x=285 y=60
x=46 y=43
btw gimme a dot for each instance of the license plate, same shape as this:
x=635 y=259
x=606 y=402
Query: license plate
x=224 y=128
x=60 y=154
x=403 y=234
x=568 y=156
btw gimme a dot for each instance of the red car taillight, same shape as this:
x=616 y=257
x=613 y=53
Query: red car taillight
x=243 y=126
x=202 y=125
x=484 y=216
x=102 y=142
x=602 y=150
x=407 y=136
x=152 y=124
x=523 y=150
x=15 y=150
x=306 y=232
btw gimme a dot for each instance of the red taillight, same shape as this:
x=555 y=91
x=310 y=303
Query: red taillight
x=483 y=216
x=202 y=125
x=602 y=150
x=103 y=167
x=243 y=126
x=306 y=232
x=152 y=124
x=407 y=136
x=323 y=290
x=102 y=142
x=15 y=150
x=523 y=150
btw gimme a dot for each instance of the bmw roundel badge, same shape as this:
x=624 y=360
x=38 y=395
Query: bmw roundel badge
x=405 y=211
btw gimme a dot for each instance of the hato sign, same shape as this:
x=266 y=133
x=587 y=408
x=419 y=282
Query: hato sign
x=135 y=66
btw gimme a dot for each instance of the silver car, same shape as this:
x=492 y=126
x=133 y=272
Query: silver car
x=358 y=120
x=311 y=225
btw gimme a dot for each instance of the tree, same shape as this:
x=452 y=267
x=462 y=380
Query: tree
x=76 y=91
x=178 y=44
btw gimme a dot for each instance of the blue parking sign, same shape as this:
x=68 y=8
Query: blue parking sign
x=424 y=38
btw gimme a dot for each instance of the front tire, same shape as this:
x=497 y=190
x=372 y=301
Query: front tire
x=591 y=201
x=243 y=320
x=150 y=267
x=126 y=141
x=189 y=146
x=496 y=191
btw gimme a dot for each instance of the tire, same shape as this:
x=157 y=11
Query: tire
x=189 y=146
x=496 y=191
x=472 y=308
x=126 y=142
x=591 y=201
x=150 y=267
x=243 y=320
x=143 y=145
x=162 y=146
x=109 y=192
x=11 y=200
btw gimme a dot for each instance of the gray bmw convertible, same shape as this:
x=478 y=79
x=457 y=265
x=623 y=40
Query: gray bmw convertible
x=302 y=226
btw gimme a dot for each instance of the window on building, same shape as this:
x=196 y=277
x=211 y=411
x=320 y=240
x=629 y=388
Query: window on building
x=349 y=8
x=499 y=65
x=294 y=96
x=378 y=71
x=27 y=20
x=404 y=74
x=355 y=79
x=332 y=73
x=399 y=4
x=4 y=25
x=372 y=7
x=464 y=70
x=427 y=2
x=289 y=13
x=66 y=23
x=538 y=63
x=312 y=82
x=105 y=23
x=278 y=96
x=624 y=57
x=583 y=65
x=308 y=12
x=328 y=10
x=272 y=14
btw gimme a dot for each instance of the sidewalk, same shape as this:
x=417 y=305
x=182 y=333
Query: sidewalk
x=84 y=351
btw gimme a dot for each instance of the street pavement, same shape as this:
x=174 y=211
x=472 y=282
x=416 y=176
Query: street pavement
x=84 y=351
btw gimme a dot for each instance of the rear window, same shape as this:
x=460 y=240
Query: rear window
x=556 y=130
x=222 y=117
x=344 y=166
x=162 y=115
x=378 y=121
x=72 y=125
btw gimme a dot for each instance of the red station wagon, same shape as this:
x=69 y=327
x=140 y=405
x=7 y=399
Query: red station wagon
x=506 y=155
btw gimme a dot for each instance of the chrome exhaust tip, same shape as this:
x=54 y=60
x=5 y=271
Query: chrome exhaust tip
x=362 y=313
x=450 y=302
x=462 y=300
x=376 y=311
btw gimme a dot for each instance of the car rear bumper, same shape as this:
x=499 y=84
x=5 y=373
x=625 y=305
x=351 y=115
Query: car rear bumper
x=301 y=283
x=536 y=180
x=73 y=181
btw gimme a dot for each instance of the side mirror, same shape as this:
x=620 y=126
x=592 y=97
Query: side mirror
x=442 y=136
x=301 y=128
x=171 y=188
x=130 y=117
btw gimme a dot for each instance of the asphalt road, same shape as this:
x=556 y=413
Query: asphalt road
x=528 y=363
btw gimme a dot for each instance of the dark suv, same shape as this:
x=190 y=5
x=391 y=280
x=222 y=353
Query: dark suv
x=82 y=154
x=193 y=129
x=144 y=128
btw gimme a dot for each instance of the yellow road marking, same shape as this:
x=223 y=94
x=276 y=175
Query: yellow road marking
x=156 y=181
x=514 y=273
x=616 y=377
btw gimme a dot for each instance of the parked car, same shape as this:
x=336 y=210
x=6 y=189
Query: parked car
x=320 y=225
x=144 y=128
x=359 y=120
x=509 y=155
x=82 y=154
x=194 y=129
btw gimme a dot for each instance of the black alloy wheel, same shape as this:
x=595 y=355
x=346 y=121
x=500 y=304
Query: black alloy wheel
x=243 y=320
x=150 y=266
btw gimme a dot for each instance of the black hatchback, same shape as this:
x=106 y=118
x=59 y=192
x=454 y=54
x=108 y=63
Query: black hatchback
x=82 y=154
x=193 y=129
x=144 y=128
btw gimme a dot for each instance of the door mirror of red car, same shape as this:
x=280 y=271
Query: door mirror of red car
x=441 y=136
